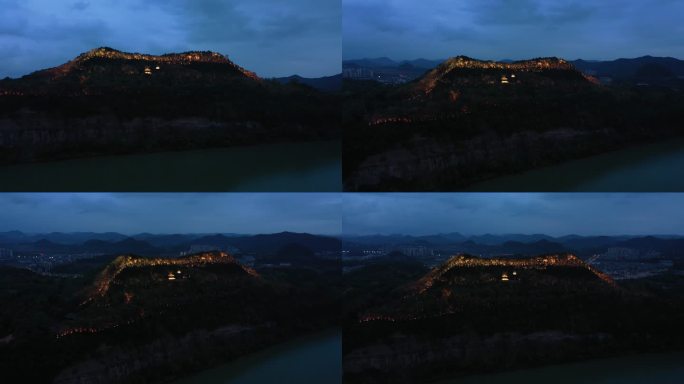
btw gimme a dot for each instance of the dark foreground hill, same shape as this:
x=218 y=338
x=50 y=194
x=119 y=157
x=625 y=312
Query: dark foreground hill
x=473 y=315
x=326 y=83
x=152 y=319
x=468 y=120
x=106 y=101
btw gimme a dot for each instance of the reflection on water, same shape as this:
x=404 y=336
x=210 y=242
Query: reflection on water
x=316 y=359
x=655 y=368
x=313 y=166
x=655 y=167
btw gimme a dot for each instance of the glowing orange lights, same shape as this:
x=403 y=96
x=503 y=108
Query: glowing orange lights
x=540 y=262
x=105 y=278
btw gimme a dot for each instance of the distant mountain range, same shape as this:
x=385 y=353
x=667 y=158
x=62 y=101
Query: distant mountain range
x=494 y=239
x=80 y=237
x=385 y=62
x=521 y=244
x=646 y=70
x=150 y=244
x=620 y=68
x=642 y=67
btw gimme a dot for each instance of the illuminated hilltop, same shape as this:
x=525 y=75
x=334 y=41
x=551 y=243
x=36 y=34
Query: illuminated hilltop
x=533 y=65
x=108 y=102
x=133 y=288
x=505 y=71
x=467 y=284
x=104 y=280
x=103 y=71
x=460 y=83
x=534 y=263
x=153 y=61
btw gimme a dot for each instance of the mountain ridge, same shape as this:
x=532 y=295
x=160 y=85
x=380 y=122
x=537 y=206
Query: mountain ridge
x=104 y=279
x=181 y=58
x=468 y=261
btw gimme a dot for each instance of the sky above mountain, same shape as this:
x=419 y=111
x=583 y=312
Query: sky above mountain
x=512 y=29
x=131 y=213
x=554 y=214
x=271 y=37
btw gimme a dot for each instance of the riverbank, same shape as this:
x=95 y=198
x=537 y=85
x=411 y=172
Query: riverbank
x=307 y=166
x=655 y=166
x=315 y=358
x=664 y=368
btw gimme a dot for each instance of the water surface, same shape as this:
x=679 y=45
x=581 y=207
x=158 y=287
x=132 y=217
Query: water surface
x=316 y=359
x=655 y=368
x=657 y=167
x=312 y=166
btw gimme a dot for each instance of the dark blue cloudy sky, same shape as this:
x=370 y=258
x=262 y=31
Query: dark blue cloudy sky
x=270 y=37
x=500 y=213
x=513 y=29
x=171 y=212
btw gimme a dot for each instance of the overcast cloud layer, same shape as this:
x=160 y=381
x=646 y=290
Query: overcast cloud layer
x=513 y=29
x=127 y=213
x=270 y=37
x=350 y=213
x=501 y=213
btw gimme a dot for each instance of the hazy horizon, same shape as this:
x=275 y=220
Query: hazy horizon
x=511 y=234
x=171 y=212
x=132 y=234
x=496 y=29
x=553 y=214
x=399 y=60
x=467 y=235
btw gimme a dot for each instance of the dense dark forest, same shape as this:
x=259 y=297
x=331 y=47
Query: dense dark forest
x=107 y=102
x=406 y=324
x=466 y=121
x=139 y=320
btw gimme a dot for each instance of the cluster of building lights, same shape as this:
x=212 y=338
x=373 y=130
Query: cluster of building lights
x=378 y=317
x=173 y=276
x=464 y=261
x=181 y=58
x=523 y=66
x=93 y=330
x=387 y=120
x=430 y=81
x=540 y=262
